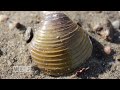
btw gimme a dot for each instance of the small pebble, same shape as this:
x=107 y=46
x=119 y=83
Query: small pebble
x=20 y=27
x=104 y=34
x=3 y=18
x=116 y=24
x=108 y=31
x=28 y=34
x=107 y=50
x=97 y=28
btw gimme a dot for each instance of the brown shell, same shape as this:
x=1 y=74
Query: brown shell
x=59 y=46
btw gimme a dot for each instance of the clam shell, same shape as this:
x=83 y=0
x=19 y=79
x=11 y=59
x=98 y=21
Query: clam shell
x=59 y=46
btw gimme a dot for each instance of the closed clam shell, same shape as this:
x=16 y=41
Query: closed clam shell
x=60 y=45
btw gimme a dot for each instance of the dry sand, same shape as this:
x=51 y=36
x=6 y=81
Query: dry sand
x=14 y=49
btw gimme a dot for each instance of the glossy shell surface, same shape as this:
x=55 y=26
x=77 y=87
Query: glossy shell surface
x=60 y=45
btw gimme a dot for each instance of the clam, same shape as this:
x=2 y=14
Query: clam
x=59 y=46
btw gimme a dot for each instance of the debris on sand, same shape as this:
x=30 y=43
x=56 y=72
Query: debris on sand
x=79 y=23
x=28 y=34
x=105 y=30
x=16 y=24
x=81 y=71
